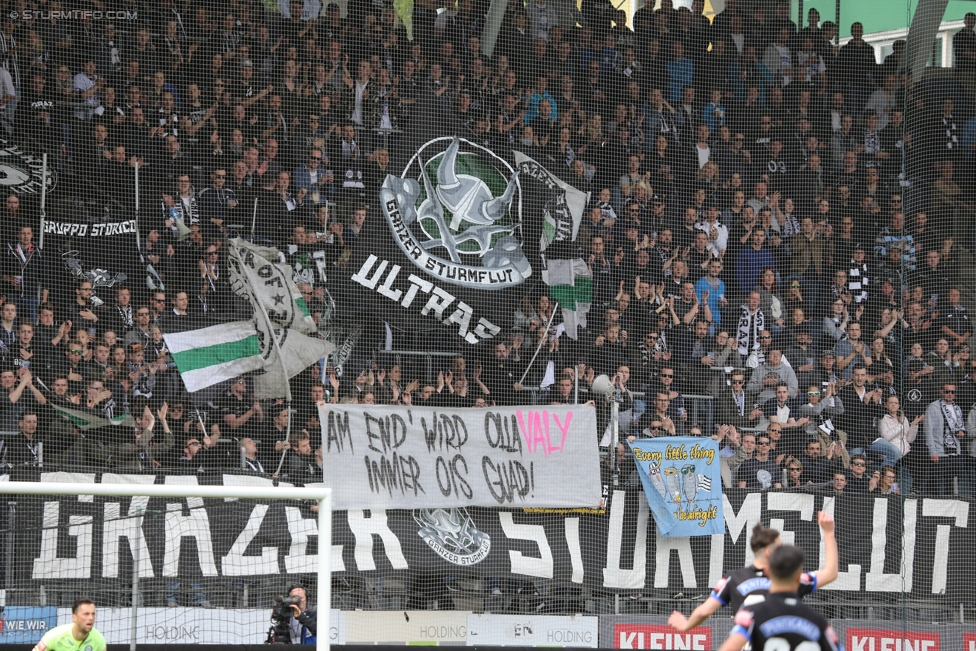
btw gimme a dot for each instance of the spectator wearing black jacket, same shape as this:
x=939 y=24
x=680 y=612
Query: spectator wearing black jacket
x=818 y=467
x=610 y=350
x=194 y=457
x=118 y=317
x=300 y=463
x=252 y=461
x=862 y=406
x=859 y=481
x=502 y=375
x=735 y=407
x=216 y=202
x=23 y=449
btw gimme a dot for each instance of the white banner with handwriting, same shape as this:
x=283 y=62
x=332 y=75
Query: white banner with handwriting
x=381 y=457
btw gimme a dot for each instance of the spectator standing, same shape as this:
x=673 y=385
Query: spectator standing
x=503 y=374
x=862 y=408
x=25 y=274
x=760 y=472
x=768 y=375
x=87 y=85
x=781 y=409
x=851 y=351
x=752 y=322
x=945 y=433
x=821 y=408
x=300 y=463
x=23 y=450
x=710 y=290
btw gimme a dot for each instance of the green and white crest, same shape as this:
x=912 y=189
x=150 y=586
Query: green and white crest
x=456 y=212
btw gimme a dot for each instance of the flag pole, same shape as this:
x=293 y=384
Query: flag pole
x=203 y=428
x=576 y=376
x=138 y=239
x=40 y=241
x=281 y=359
x=284 y=451
x=555 y=306
x=254 y=218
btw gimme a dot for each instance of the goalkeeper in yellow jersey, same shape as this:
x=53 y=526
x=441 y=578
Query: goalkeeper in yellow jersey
x=79 y=635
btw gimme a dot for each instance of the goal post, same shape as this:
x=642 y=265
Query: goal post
x=322 y=495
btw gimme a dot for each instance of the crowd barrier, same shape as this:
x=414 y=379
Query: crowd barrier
x=190 y=626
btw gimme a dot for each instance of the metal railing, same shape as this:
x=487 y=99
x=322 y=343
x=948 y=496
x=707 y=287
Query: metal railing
x=414 y=363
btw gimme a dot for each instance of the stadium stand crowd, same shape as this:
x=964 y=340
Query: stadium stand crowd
x=771 y=235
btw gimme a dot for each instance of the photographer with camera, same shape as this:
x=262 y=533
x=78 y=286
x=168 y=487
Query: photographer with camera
x=293 y=621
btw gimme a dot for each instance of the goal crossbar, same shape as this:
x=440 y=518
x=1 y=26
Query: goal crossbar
x=320 y=494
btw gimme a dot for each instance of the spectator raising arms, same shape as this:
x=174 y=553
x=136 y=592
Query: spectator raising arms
x=769 y=236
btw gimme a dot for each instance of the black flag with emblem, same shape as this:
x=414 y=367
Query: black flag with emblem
x=448 y=243
x=81 y=247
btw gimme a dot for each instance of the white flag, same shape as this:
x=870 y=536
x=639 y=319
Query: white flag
x=260 y=278
x=298 y=352
x=280 y=314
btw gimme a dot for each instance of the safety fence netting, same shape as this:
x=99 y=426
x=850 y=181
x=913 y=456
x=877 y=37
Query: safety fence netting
x=560 y=298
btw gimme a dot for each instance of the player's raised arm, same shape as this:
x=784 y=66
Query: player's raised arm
x=829 y=572
x=706 y=609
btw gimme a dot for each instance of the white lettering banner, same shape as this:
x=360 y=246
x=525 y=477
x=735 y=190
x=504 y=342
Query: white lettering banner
x=538 y=631
x=382 y=457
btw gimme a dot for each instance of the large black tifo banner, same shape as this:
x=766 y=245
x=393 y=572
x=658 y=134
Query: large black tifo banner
x=453 y=240
x=887 y=545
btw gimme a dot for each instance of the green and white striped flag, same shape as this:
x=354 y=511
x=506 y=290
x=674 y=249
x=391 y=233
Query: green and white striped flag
x=276 y=341
x=86 y=420
x=570 y=285
x=210 y=355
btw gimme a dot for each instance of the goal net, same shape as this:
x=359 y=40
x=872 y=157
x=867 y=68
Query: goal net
x=175 y=562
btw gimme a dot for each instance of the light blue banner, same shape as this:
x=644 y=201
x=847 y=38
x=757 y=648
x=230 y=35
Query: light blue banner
x=682 y=480
x=26 y=624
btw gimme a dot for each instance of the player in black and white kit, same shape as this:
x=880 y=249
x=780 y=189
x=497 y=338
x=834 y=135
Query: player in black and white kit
x=750 y=584
x=781 y=622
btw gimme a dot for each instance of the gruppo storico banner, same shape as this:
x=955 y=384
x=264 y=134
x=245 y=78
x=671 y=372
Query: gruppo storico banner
x=421 y=458
x=82 y=245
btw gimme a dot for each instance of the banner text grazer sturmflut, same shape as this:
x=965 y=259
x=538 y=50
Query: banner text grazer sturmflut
x=907 y=546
